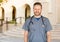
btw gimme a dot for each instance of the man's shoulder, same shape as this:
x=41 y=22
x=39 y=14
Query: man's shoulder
x=45 y=18
x=28 y=19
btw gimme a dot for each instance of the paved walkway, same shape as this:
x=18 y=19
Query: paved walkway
x=11 y=39
x=17 y=39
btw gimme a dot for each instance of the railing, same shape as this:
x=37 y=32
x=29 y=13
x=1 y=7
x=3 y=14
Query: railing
x=2 y=22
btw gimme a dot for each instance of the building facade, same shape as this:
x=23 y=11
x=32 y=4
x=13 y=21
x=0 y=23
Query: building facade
x=13 y=9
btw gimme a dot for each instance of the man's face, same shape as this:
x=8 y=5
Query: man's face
x=37 y=10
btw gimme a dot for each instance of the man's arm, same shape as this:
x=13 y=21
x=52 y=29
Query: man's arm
x=48 y=36
x=25 y=36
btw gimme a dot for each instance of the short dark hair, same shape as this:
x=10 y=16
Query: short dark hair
x=37 y=3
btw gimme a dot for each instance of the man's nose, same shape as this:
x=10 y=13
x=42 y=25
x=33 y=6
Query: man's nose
x=37 y=10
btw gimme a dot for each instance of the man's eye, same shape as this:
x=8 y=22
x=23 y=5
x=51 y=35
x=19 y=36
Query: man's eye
x=34 y=9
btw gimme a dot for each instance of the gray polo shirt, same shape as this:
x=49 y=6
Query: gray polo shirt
x=37 y=31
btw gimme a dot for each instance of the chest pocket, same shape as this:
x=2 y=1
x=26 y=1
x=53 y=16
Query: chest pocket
x=43 y=26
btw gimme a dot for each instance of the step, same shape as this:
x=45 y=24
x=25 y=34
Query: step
x=14 y=35
x=18 y=32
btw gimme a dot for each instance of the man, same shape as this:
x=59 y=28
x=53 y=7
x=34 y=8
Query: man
x=37 y=28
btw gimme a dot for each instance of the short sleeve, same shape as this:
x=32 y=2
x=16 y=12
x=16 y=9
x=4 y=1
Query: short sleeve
x=48 y=25
x=25 y=26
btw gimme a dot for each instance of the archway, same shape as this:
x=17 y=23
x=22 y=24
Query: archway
x=2 y=13
x=27 y=11
x=13 y=13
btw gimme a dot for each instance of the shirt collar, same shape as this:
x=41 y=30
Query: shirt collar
x=37 y=16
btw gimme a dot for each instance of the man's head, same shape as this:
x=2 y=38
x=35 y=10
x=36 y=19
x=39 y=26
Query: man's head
x=37 y=8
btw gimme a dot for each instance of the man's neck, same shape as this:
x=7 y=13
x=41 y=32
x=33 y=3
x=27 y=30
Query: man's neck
x=37 y=16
